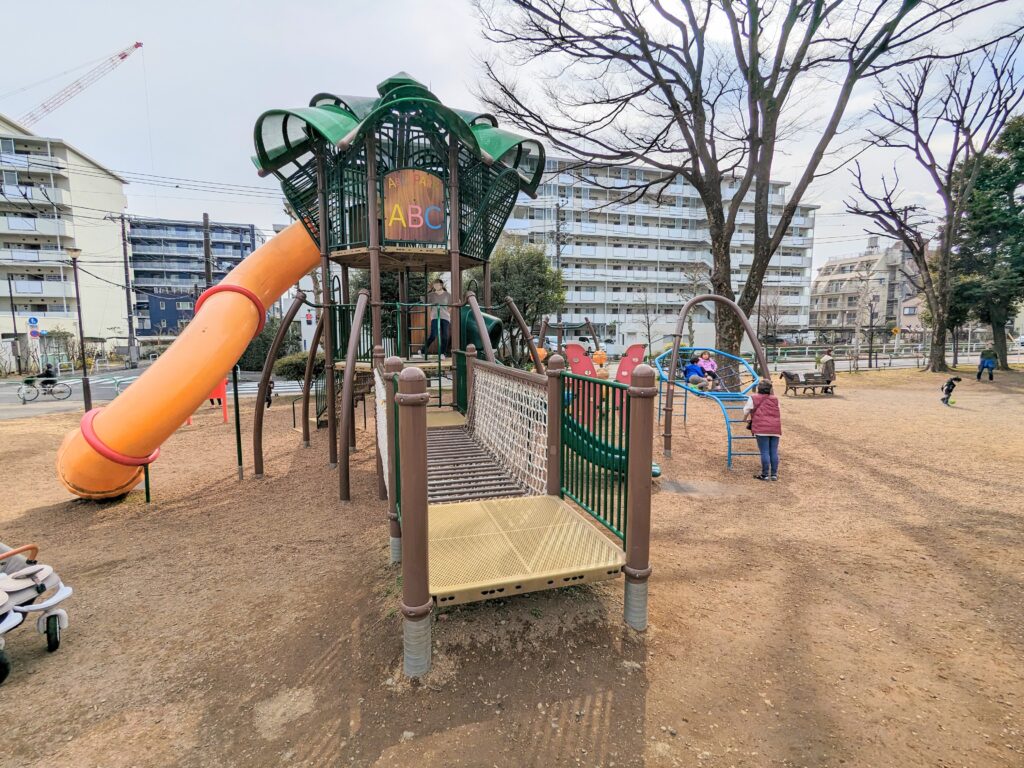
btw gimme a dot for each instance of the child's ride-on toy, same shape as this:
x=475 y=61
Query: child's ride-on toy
x=23 y=581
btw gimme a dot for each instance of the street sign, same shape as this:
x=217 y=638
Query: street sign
x=33 y=321
x=43 y=333
x=33 y=333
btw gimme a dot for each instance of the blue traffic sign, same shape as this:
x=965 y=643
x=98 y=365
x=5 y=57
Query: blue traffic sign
x=33 y=321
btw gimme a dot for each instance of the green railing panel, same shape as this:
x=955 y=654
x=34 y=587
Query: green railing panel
x=595 y=448
x=461 y=395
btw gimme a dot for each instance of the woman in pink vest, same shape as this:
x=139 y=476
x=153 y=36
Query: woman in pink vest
x=765 y=420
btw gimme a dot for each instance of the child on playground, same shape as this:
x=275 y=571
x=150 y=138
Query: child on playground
x=709 y=365
x=438 y=318
x=696 y=376
x=948 y=387
x=764 y=420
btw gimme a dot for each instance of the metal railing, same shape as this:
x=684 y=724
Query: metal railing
x=595 y=448
x=461 y=397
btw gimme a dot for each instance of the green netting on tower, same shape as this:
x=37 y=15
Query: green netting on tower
x=412 y=130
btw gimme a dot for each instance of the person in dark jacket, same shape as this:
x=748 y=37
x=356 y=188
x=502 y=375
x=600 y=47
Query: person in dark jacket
x=987 y=362
x=947 y=389
x=764 y=419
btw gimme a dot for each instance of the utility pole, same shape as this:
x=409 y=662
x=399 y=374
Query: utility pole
x=560 y=240
x=207 y=257
x=14 y=322
x=133 y=358
x=74 y=253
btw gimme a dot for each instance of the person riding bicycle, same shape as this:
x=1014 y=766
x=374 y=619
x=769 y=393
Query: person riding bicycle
x=48 y=377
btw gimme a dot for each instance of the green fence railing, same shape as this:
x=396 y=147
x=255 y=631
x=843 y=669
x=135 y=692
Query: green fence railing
x=595 y=448
x=461 y=401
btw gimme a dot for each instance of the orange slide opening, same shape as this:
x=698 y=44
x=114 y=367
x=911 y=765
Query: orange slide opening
x=106 y=461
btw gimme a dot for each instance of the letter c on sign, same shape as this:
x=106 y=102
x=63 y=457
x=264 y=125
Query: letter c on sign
x=440 y=216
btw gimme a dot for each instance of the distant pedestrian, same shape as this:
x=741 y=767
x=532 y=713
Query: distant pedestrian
x=987 y=362
x=764 y=419
x=947 y=390
x=828 y=369
x=270 y=392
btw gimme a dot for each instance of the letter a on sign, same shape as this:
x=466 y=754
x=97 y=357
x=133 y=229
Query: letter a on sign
x=414 y=206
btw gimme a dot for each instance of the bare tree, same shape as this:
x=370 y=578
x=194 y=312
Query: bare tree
x=616 y=82
x=648 y=316
x=697 y=279
x=947 y=115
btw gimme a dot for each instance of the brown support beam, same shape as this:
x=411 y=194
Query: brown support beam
x=392 y=367
x=345 y=297
x=478 y=316
x=677 y=337
x=554 y=372
x=373 y=243
x=268 y=369
x=307 y=380
x=325 y=281
x=344 y=491
x=488 y=299
x=416 y=602
x=454 y=246
x=378 y=365
x=638 y=495
x=593 y=333
x=403 y=313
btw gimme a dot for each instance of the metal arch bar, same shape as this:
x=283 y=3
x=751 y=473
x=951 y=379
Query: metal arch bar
x=481 y=326
x=307 y=380
x=363 y=299
x=748 y=329
x=268 y=369
x=538 y=364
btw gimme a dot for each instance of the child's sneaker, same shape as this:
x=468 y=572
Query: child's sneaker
x=760 y=477
x=775 y=478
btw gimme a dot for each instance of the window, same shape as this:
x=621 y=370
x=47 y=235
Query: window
x=163 y=305
x=910 y=310
x=184 y=305
x=7 y=146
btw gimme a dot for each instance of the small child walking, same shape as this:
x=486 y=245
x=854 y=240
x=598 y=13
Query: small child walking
x=948 y=387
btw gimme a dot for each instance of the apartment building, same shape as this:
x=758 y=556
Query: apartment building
x=852 y=292
x=624 y=262
x=169 y=267
x=53 y=200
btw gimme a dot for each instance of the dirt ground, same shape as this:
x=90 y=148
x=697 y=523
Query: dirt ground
x=866 y=610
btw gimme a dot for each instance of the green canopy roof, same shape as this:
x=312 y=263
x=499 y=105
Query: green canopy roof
x=283 y=136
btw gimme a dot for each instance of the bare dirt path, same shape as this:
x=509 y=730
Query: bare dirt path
x=866 y=610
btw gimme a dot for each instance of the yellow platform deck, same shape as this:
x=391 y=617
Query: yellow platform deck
x=442 y=418
x=480 y=550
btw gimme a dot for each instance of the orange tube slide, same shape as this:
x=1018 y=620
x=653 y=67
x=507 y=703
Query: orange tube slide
x=165 y=395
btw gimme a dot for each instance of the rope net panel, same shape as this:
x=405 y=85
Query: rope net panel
x=508 y=417
x=381 y=396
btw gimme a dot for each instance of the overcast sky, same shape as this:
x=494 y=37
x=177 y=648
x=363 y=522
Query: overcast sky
x=186 y=104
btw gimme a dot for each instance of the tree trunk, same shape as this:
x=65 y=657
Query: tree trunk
x=999 y=341
x=956 y=346
x=937 y=351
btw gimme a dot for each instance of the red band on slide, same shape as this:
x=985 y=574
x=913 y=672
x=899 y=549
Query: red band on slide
x=89 y=433
x=236 y=289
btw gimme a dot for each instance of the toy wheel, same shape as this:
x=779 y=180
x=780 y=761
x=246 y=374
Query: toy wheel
x=5 y=667
x=52 y=633
x=60 y=391
x=27 y=393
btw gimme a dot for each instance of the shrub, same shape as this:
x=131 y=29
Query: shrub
x=293 y=367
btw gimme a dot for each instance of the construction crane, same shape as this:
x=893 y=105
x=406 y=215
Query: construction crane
x=65 y=95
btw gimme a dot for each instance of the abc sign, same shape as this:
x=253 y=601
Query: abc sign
x=414 y=207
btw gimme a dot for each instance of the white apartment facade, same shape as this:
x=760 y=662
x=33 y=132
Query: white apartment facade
x=623 y=262
x=851 y=293
x=53 y=199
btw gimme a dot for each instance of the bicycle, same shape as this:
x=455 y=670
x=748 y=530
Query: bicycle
x=28 y=391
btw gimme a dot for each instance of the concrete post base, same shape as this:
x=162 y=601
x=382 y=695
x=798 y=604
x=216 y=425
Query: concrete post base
x=635 y=605
x=416 y=646
x=396 y=549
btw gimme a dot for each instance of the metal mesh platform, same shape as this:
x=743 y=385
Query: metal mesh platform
x=458 y=469
x=502 y=547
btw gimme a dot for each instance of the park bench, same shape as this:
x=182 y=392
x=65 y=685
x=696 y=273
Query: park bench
x=807 y=381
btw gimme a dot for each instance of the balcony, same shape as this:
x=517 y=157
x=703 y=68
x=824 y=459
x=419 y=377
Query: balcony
x=22 y=195
x=48 y=313
x=32 y=163
x=48 y=288
x=18 y=256
x=20 y=225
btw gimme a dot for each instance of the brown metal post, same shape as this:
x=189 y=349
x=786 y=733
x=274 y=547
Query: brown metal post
x=307 y=380
x=378 y=365
x=344 y=491
x=470 y=362
x=392 y=366
x=416 y=602
x=524 y=329
x=325 y=281
x=455 y=248
x=544 y=331
x=373 y=237
x=478 y=316
x=488 y=299
x=261 y=392
x=344 y=285
x=556 y=364
x=762 y=361
x=638 y=495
